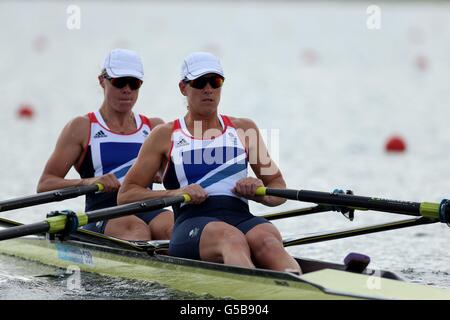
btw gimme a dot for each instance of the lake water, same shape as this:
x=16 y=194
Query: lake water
x=313 y=73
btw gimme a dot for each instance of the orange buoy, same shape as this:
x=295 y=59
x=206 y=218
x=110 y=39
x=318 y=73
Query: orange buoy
x=395 y=144
x=25 y=111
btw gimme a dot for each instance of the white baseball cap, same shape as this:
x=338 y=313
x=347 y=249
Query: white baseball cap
x=198 y=64
x=123 y=63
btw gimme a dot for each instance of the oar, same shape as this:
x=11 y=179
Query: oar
x=8 y=223
x=297 y=212
x=345 y=233
x=58 y=223
x=49 y=196
x=439 y=211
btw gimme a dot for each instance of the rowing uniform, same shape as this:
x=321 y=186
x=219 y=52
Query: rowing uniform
x=216 y=165
x=111 y=152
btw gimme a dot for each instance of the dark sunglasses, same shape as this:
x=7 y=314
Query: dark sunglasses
x=133 y=83
x=215 y=81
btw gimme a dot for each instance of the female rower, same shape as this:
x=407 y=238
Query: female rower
x=103 y=145
x=205 y=155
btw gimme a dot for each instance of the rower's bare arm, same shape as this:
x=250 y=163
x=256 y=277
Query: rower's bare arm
x=67 y=153
x=154 y=122
x=143 y=171
x=68 y=149
x=264 y=167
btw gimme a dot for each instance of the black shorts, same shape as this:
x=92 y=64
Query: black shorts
x=189 y=225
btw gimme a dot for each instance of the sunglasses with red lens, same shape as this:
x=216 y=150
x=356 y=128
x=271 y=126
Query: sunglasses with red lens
x=215 y=81
x=119 y=83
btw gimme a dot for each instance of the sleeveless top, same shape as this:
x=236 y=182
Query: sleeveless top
x=110 y=152
x=215 y=164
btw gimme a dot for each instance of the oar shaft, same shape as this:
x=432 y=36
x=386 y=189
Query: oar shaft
x=297 y=212
x=49 y=196
x=338 y=199
x=425 y=209
x=58 y=223
x=6 y=223
x=321 y=237
x=24 y=230
x=138 y=207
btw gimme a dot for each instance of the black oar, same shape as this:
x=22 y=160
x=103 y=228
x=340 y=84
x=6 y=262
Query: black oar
x=439 y=211
x=345 y=233
x=57 y=223
x=49 y=196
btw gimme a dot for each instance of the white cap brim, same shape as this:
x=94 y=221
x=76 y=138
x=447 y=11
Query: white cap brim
x=202 y=72
x=117 y=73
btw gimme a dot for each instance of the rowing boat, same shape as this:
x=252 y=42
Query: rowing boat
x=149 y=261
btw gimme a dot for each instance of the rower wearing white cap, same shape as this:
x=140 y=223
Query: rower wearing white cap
x=205 y=154
x=103 y=145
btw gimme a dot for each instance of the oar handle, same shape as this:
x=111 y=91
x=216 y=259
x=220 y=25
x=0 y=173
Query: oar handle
x=100 y=187
x=261 y=191
x=187 y=197
x=282 y=193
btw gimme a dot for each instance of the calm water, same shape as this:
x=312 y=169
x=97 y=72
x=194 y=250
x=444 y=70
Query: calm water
x=313 y=73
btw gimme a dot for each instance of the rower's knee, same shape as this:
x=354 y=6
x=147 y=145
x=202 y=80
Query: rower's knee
x=234 y=241
x=128 y=228
x=268 y=244
x=224 y=233
x=161 y=226
x=133 y=226
x=220 y=239
x=161 y=232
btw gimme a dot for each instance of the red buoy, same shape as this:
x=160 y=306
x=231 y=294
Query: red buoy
x=25 y=111
x=310 y=56
x=395 y=144
x=421 y=63
x=40 y=43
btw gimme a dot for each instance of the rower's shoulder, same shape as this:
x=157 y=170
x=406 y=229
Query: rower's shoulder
x=153 y=121
x=78 y=124
x=243 y=123
x=75 y=131
x=163 y=130
x=80 y=120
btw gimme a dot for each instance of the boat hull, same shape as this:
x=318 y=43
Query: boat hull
x=201 y=278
